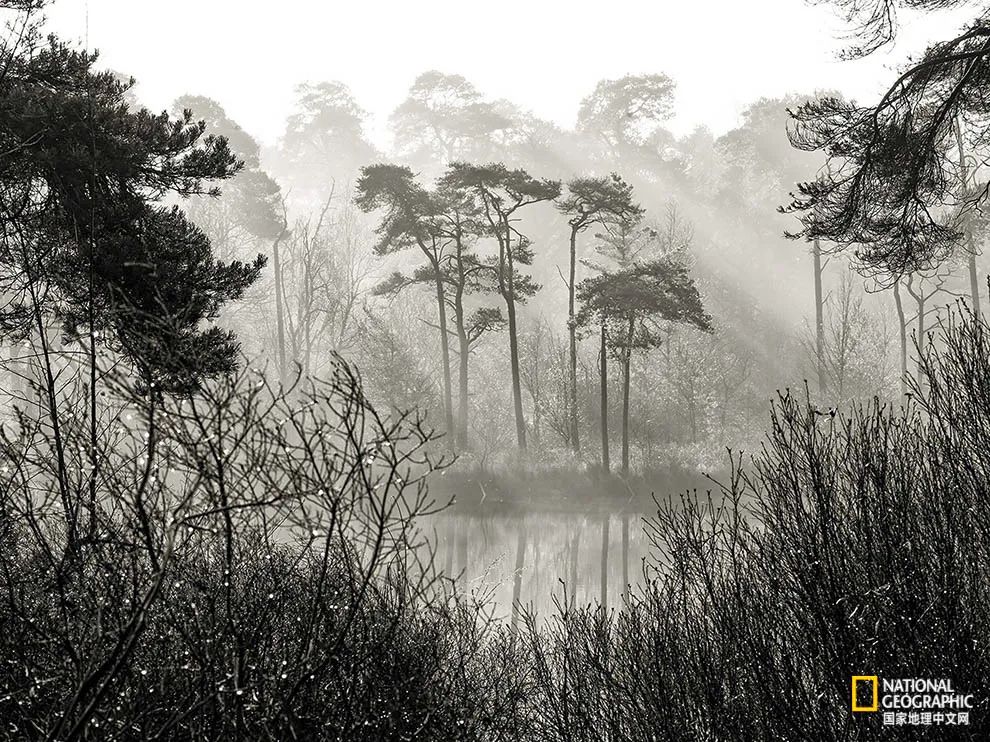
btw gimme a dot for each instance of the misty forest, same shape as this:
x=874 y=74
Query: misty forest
x=500 y=429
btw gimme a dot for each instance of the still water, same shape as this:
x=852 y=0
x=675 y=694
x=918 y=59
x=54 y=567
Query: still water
x=550 y=552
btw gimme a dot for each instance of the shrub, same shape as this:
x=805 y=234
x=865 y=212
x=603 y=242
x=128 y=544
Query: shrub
x=850 y=544
x=245 y=564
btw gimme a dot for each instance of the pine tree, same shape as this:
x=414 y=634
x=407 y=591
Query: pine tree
x=500 y=194
x=629 y=307
x=589 y=201
x=87 y=242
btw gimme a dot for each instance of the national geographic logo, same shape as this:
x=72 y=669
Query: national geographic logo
x=911 y=701
x=871 y=684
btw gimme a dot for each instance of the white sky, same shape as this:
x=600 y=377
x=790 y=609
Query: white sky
x=544 y=55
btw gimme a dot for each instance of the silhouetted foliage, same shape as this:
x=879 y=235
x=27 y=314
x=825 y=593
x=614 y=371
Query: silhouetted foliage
x=896 y=185
x=875 y=22
x=85 y=241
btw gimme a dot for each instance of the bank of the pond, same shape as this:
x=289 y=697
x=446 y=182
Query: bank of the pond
x=471 y=490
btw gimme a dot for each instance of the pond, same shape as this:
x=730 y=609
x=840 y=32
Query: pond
x=535 y=556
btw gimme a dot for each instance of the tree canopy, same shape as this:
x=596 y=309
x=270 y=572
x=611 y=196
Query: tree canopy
x=895 y=185
x=591 y=200
x=627 y=110
x=443 y=118
x=86 y=239
x=654 y=291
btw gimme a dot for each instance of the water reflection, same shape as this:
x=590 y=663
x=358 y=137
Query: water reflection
x=547 y=551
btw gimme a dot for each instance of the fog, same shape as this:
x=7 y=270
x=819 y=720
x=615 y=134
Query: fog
x=490 y=371
x=691 y=113
x=723 y=55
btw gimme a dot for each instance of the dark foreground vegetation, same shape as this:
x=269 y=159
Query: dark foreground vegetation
x=248 y=566
x=850 y=545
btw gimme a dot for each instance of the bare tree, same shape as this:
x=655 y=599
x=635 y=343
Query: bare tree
x=324 y=279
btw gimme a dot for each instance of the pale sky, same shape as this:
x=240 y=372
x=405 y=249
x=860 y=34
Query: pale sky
x=544 y=55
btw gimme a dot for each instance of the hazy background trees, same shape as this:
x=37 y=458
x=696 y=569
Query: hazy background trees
x=456 y=151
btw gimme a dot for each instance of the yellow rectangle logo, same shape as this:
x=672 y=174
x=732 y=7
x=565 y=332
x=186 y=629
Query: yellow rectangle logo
x=856 y=679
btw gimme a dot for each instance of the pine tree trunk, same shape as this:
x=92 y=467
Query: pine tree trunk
x=514 y=367
x=508 y=293
x=448 y=396
x=626 y=364
x=307 y=325
x=464 y=349
x=902 y=331
x=816 y=252
x=279 y=310
x=603 y=366
x=572 y=333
